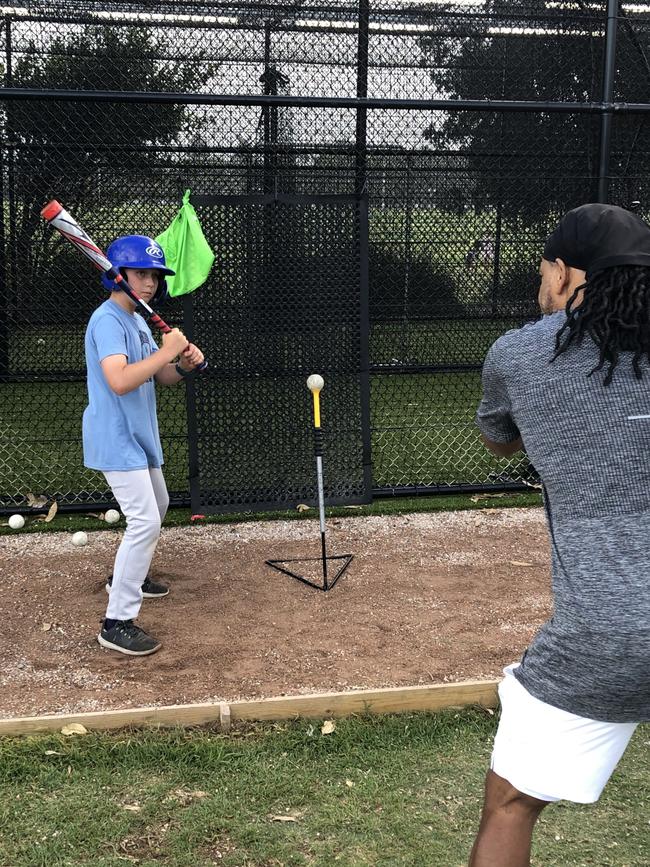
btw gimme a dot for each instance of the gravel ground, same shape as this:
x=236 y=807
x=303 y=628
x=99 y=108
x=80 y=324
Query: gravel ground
x=429 y=598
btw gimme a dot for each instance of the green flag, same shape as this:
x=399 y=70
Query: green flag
x=186 y=250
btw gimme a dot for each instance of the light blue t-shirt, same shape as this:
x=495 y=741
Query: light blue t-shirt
x=120 y=432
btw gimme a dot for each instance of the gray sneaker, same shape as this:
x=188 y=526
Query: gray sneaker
x=150 y=589
x=126 y=637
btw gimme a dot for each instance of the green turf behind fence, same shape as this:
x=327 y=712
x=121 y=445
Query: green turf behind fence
x=422 y=424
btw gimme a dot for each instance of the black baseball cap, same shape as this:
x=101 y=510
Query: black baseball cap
x=597 y=236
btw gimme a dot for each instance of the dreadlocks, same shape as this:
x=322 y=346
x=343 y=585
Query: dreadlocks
x=615 y=313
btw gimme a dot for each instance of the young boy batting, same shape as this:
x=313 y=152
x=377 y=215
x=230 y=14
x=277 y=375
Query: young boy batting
x=120 y=428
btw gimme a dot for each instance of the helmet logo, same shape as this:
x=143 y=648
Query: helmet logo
x=155 y=250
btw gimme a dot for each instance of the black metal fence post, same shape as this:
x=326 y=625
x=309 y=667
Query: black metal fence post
x=4 y=294
x=606 y=117
x=10 y=248
x=408 y=228
x=360 y=185
x=269 y=113
x=361 y=152
x=4 y=276
x=496 y=266
x=365 y=343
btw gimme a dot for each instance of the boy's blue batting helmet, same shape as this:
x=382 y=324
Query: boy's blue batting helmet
x=138 y=251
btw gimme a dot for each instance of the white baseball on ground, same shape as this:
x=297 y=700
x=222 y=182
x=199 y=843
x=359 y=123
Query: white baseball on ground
x=16 y=522
x=80 y=538
x=112 y=516
x=315 y=382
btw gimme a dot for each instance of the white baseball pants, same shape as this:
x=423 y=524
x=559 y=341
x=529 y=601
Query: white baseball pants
x=143 y=499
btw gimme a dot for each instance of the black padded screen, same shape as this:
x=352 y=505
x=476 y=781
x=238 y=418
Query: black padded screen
x=287 y=297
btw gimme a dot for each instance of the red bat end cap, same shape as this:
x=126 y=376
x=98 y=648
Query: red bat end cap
x=51 y=210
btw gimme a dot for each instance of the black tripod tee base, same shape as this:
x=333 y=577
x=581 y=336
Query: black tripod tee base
x=328 y=580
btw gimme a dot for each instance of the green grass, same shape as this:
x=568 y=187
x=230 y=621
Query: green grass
x=40 y=439
x=386 y=791
x=441 y=342
x=422 y=424
x=178 y=517
x=423 y=431
x=442 y=240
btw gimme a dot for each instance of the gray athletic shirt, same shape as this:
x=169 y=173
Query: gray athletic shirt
x=591 y=447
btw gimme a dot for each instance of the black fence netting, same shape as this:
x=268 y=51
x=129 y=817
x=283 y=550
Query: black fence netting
x=400 y=161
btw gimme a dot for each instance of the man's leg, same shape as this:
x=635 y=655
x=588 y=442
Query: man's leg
x=541 y=754
x=507 y=823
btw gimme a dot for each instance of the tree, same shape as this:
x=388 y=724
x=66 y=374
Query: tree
x=65 y=148
x=511 y=52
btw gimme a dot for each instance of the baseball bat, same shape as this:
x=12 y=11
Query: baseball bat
x=56 y=215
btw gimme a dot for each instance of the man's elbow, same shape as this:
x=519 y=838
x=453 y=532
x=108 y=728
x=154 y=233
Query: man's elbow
x=503 y=450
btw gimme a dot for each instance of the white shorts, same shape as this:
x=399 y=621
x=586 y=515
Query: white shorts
x=551 y=754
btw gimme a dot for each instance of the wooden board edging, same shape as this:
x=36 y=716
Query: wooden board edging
x=333 y=704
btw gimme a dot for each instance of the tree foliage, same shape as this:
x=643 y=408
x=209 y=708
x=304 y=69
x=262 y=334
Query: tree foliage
x=533 y=163
x=72 y=150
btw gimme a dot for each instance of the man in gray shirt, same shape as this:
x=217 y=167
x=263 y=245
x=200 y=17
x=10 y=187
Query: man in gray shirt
x=573 y=390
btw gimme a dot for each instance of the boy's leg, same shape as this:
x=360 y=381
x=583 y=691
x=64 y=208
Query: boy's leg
x=134 y=491
x=541 y=754
x=160 y=491
x=152 y=589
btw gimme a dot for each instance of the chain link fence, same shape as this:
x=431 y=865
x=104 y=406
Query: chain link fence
x=466 y=128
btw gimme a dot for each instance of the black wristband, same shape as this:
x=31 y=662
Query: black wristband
x=184 y=373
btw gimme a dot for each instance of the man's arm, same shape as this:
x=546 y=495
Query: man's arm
x=503 y=450
x=494 y=417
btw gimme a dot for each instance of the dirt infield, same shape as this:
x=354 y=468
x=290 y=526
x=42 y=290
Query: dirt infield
x=428 y=598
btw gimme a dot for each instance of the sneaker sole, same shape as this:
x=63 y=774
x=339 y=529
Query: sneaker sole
x=154 y=595
x=109 y=646
x=144 y=595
